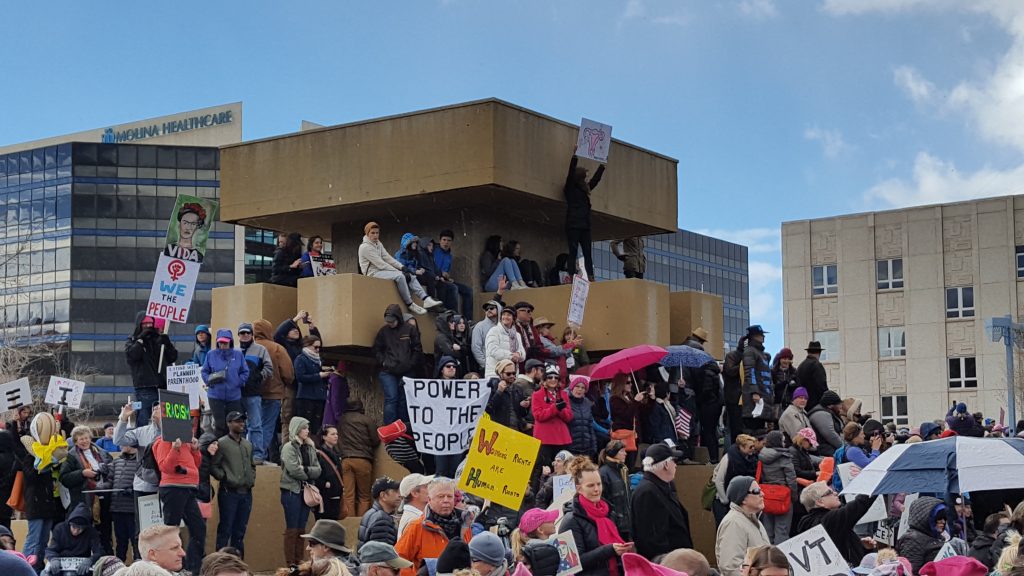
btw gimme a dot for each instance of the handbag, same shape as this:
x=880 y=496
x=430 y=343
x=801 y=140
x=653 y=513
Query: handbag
x=777 y=498
x=205 y=509
x=311 y=496
x=217 y=377
x=17 y=499
x=627 y=437
x=708 y=494
x=390 y=432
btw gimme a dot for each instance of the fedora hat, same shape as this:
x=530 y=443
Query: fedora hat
x=330 y=533
x=814 y=346
x=700 y=333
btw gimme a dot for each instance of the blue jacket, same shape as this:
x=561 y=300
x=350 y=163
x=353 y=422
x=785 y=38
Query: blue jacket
x=442 y=260
x=200 y=352
x=307 y=266
x=409 y=260
x=236 y=370
x=307 y=376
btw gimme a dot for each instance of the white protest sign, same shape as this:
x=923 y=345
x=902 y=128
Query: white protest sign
x=813 y=553
x=15 y=394
x=64 y=392
x=444 y=413
x=150 y=513
x=561 y=484
x=188 y=379
x=905 y=517
x=577 y=301
x=847 y=472
x=323 y=265
x=173 y=285
x=594 y=140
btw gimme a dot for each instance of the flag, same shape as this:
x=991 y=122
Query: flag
x=682 y=423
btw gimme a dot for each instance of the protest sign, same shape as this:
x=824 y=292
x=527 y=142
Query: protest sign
x=561 y=484
x=886 y=532
x=905 y=517
x=847 y=472
x=176 y=422
x=150 y=513
x=569 y=561
x=323 y=265
x=15 y=394
x=186 y=379
x=64 y=392
x=594 y=140
x=173 y=284
x=578 y=301
x=499 y=464
x=813 y=553
x=443 y=413
x=189 y=228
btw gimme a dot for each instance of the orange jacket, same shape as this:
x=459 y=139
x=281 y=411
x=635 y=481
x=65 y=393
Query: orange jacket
x=423 y=539
x=171 y=461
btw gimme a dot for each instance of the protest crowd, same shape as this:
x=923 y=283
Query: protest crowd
x=605 y=471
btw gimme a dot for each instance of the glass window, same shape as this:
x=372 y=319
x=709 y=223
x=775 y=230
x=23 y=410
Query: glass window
x=830 y=342
x=84 y=153
x=894 y=409
x=889 y=274
x=963 y=372
x=825 y=279
x=960 y=302
x=165 y=157
x=147 y=156
x=106 y=154
x=206 y=159
x=127 y=156
x=892 y=341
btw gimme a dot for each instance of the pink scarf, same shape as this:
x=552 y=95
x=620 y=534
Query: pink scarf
x=607 y=533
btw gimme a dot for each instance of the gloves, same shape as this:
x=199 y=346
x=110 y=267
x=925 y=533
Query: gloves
x=83 y=569
x=560 y=404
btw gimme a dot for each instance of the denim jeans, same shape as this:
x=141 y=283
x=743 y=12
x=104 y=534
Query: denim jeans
x=466 y=293
x=254 y=426
x=146 y=397
x=506 y=267
x=447 y=464
x=181 y=504
x=271 y=411
x=37 y=538
x=296 y=513
x=234 y=517
x=395 y=407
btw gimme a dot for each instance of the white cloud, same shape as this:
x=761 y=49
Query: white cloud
x=853 y=7
x=913 y=84
x=763 y=272
x=758 y=9
x=765 y=288
x=936 y=181
x=634 y=9
x=757 y=240
x=832 y=143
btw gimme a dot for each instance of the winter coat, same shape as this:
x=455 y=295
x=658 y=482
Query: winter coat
x=236 y=371
x=803 y=464
x=374 y=258
x=72 y=474
x=337 y=399
x=478 y=342
x=777 y=468
x=85 y=545
x=757 y=379
x=981 y=550
x=703 y=380
x=661 y=523
x=283 y=373
x=398 y=350
x=233 y=465
x=143 y=354
x=964 y=425
x=177 y=467
x=577 y=196
x=123 y=473
x=623 y=412
x=260 y=365
x=204 y=492
x=783 y=384
x=444 y=345
x=281 y=271
x=498 y=346
x=731 y=367
x=423 y=539
x=594 y=556
x=358 y=435
x=739 y=465
x=550 y=424
x=201 y=350
x=737 y=532
x=618 y=492
x=311 y=386
x=811 y=375
x=505 y=408
x=793 y=420
x=581 y=427
x=828 y=427
x=839 y=524
x=298 y=459
x=920 y=544
x=659 y=423
x=329 y=482
x=292 y=347
x=378 y=526
x=38 y=489
x=634 y=260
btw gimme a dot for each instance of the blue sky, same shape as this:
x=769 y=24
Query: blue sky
x=777 y=110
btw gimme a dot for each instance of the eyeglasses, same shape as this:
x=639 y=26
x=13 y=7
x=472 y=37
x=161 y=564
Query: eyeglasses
x=508 y=373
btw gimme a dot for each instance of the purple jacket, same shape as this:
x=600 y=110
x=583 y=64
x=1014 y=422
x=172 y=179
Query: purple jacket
x=337 y=400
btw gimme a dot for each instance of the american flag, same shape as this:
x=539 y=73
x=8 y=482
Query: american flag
x=682 y=423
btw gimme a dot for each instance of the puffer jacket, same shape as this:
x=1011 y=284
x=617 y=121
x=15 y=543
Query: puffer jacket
x=618 y=493
x=299 y=462
x=594 y=556
x=283 y=373
x=124 y=468
x=828 y=427
x=398 y=350
x=374 y=258
x=378 y=526
x=757 y=379
x=581 y=427
x=550 y=424
x=777 y=468
x=920 y=544
x=731 y=367
x=236 y=371
x=498 y=346
x=803 y=464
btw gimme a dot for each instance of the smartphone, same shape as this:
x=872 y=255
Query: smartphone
x=136 y=405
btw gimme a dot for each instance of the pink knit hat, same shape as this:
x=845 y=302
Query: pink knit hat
x=809 y=435
x=635 y=564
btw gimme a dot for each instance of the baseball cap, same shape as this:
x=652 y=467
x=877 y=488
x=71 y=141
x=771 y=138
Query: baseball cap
x=235 y=416
x=661 y=452
x=245 y=327
x=382 y=484
x=533 y=363
x=534 y=517
x=412 y=482
x=374 y=552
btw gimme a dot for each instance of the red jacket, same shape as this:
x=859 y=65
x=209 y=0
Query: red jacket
x=550 y=425
x=170 y=459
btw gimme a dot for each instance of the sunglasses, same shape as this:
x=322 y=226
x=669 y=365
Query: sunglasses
x=755 y=492
x=508 y=373
x=489 y=308
x=551 y=377
x=449 y=366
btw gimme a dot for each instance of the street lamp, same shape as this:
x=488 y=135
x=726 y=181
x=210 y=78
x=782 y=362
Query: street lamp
x=1003 y=328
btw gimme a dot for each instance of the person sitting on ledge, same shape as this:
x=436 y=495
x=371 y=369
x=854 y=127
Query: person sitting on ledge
x=375 y=262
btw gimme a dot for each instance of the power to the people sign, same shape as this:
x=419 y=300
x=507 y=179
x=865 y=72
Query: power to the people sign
x=173 y=285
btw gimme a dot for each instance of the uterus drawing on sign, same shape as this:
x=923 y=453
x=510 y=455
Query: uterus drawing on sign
x=593 y=138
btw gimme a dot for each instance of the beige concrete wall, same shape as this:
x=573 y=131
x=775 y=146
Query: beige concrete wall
x=233 y=305
x=692 y=309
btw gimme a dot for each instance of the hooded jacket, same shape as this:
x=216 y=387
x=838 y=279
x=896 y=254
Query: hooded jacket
x=260 y=365
x=282 y=372
x=293 y=347
x=661 y=523
x=374 y=258
x=577 y=196
x=444 y=344
x=299 y=461
x=921 y=543
x=409 y=259
x=777 y=467
x=398 y=350
x=928 y=429
x=236 y=371
x=358 y=434
x=142 y=351
x=85 y=545
x=199 y=353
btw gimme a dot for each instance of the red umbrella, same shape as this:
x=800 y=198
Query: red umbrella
x=627 y=361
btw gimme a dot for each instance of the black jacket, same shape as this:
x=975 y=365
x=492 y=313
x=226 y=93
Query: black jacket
x=378 y=526
x=281 y=271
x=619 y=496
x=444 y=345
x=398 y=350
x=10 y=463
x=594 y=556
x=783 y=384
x=38 y=488
x=739 y=464
x=731 y=376
x=839 y=524
x=504 y=407
x=85 y=545
x=293 y=347
x=981 y=550
x=803 y=465
x=142 y=351
x=918 y=544
x=581 y=428
x=703 y=380
x=72 y=474
x=577 y=196
x=328 y=481
x=811 y=375
x=660 y=522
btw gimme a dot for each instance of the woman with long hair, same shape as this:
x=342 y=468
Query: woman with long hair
x=783 y=377
x=329 y=481
x=535 y=525
x=552 y=415
x=577 y=213
x=314 y=249
x=287 y=264
x=311 y=380
x=615 y=480
x=493 y=266
x=626 y=407
x=589 y=519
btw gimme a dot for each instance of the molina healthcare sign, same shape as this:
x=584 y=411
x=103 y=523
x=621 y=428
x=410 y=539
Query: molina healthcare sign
x=173 y=285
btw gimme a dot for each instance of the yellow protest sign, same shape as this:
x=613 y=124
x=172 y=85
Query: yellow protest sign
x=499 y=464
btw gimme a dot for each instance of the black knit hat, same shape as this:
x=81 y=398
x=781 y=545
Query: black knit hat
x=542 y=557
x=454 y=557
x=830 y=398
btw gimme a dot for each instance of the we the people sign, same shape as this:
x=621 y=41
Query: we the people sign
x=499 y=464
x=444 y=413
x=171 y=295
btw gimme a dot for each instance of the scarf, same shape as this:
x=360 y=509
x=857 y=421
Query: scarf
x=312 y=355
x=511 y=333
x=607 y=533
x=451 y=524
x=527 y=330
x=88 y=461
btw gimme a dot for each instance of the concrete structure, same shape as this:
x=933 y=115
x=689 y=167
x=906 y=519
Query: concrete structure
x=900 y=299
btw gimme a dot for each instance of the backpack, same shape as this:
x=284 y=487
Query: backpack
x=149 y=469
x=839 y=458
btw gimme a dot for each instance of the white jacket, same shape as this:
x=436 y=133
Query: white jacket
x=373 y=258
x=499 y=347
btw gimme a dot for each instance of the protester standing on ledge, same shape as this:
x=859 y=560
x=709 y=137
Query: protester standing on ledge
x=577 y=213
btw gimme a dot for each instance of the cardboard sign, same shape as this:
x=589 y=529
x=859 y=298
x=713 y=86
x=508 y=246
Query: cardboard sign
x=561 y=484
x=905 y=518
x=323 y=265
x=578 y=301
x=189 y=228
x=149 y=511
x=444 y=413
x=594 y=140
x=64 y=392
x=173 y=284
x=499 y=464
x=569 y=561
x=176 y=422
x=847 y=472
x=15 y=394
x=813 y=553
x=186 y=379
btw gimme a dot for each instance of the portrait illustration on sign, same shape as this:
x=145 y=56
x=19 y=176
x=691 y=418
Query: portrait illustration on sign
x=189 y=228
